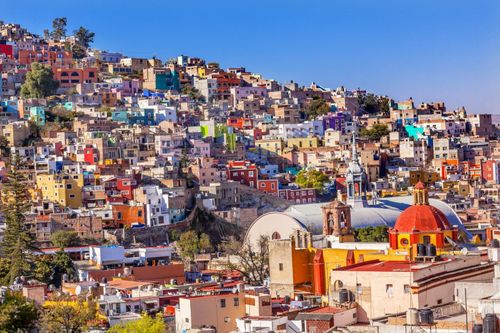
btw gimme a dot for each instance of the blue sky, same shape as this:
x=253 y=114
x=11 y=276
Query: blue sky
x=431 y=50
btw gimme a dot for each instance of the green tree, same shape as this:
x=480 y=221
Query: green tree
x=78 y=51
x=204 y=243
x=4 y=269
x=4 y=145
x=192 y=92
x=59 y=28
x=39 y=82
x=18 y=243
x=368 y=103
x=317 y=107
x=190 y=244
x=17 y=314
x=312 y=179
x=370 y=234
x=84 y=37
x=43 y=271
x=384 y=106
x=375 y=133
x=64 y=238
x=64 y=314
x=253 y=259
x=144 y=325
x=62 y=264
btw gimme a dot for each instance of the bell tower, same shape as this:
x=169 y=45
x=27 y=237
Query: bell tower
x=356 y=179
x=337 y=222
x=420 y=194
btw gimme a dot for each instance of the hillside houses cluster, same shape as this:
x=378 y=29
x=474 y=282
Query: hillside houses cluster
x=141 y=143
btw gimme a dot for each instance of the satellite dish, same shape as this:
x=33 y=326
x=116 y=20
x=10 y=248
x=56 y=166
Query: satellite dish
x=78 y=290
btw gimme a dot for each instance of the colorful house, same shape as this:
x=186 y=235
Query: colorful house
x=37 y=115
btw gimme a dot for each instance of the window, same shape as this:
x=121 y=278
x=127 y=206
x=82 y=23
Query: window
x=427 y=239
x=389 y=290
x=406 y=288
x=222 y=303
x=236 y=301
x=280 y=266
x=359 y=288
x=440 y=301
x=139 y=213
x=187 y=320
x=403 y=241
x=227 y=319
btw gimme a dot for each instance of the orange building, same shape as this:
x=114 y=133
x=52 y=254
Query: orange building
x=128 y=215
x=69 y=77
x=54 y=57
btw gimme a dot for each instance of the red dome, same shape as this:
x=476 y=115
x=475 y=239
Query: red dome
x=421 y=218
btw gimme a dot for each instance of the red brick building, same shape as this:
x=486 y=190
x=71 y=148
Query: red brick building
x=270 y=186
x=244 y=172
x=298 y=195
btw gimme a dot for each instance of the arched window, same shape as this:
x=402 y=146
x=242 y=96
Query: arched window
x=74 y=74
x=64 y=74
x=275 y=236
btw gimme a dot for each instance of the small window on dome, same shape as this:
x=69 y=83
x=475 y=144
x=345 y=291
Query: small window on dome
x=403 y=241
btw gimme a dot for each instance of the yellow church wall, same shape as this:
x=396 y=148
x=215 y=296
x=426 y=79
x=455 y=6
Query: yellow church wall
x=302 y=261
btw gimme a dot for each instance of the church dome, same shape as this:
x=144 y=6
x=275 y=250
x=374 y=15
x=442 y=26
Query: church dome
x=422 y=218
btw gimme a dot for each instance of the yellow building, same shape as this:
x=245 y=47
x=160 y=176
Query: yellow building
x=202 y=72
x=274 y=146
x=61 y=188
x=308 y=142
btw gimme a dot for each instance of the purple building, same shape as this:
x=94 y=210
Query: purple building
x=335 y=120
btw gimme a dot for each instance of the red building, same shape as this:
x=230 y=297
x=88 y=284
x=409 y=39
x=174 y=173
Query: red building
x=244 y=172
x=225 y=81
x=270 y=186
x=7 y=50
x=471 y=170
x=121 y=189
x=298 y=195
x=239 y=122
x=90 y=155
x=490 y=171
